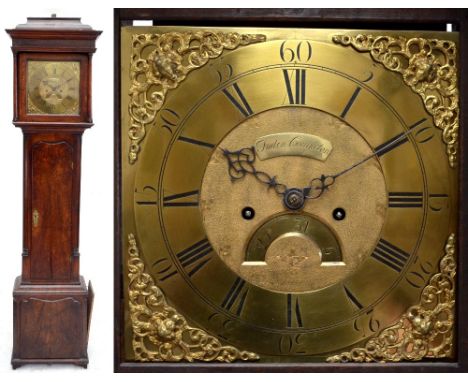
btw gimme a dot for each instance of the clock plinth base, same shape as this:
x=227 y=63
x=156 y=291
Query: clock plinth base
x=17 y=362
x=51 y=323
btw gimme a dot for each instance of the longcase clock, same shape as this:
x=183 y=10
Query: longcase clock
x=52 y=106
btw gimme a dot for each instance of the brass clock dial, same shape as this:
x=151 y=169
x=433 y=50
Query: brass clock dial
x=53 y=87
x=292 y=198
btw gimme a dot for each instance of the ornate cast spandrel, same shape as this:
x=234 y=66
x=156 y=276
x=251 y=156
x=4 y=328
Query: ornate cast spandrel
x=428 y=67
x=425 y=330
x=171 y=57
x=160 y=332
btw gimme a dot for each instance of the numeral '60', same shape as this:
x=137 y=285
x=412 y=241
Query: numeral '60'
x=301 y=53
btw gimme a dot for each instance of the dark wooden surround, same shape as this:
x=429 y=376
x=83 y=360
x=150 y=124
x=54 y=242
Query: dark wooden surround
x=397 y=19
x=51 y=302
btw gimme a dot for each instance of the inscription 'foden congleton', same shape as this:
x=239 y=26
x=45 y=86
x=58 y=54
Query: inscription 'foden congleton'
x=292 y=144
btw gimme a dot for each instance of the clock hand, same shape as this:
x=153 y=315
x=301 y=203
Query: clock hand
x=55 y=88
x=324 y=181
x=240 y=163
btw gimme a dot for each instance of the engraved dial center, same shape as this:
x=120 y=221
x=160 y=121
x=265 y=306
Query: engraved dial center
x=308 y=220
x=53 y=90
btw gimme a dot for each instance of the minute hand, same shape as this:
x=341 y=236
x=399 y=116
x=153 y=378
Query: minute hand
x=377 y=152
x=319 y=185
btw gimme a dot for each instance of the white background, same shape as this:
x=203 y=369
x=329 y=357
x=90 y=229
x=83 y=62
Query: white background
x=96 y=234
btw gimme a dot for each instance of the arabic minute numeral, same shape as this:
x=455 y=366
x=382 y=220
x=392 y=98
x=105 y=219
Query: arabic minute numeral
x=290 y=344
x=301 y=52
x=146 y=197
x=419 y=278
x=170 y=119
x=438 y=202
x=367 y=324
x=164 y=269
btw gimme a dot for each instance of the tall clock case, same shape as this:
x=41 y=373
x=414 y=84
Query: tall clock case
x=189 y=293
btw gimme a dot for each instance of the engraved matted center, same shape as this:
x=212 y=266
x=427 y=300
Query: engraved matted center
x=222 y=201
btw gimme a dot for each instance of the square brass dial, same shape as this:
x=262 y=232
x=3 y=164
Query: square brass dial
x=53 y=87
x=287 y=257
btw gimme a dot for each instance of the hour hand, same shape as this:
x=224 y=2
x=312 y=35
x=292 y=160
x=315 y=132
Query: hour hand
x=241 y=163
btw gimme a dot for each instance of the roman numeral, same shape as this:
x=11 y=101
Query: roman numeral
x=296 y=92
x=353 y=298
x=196 y=142
x=390 y=255
x=169 y=201
x=146 y=202
x=391 y=144
x=236 y=294
x=195 y=256
x=294 y=311
x=350 y=102
x=238 y=100
x=405 y=199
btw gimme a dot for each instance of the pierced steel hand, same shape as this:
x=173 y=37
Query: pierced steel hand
x=325 y=181
x=241 y=162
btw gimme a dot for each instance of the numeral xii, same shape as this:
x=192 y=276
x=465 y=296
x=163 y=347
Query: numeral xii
x=296 y=89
